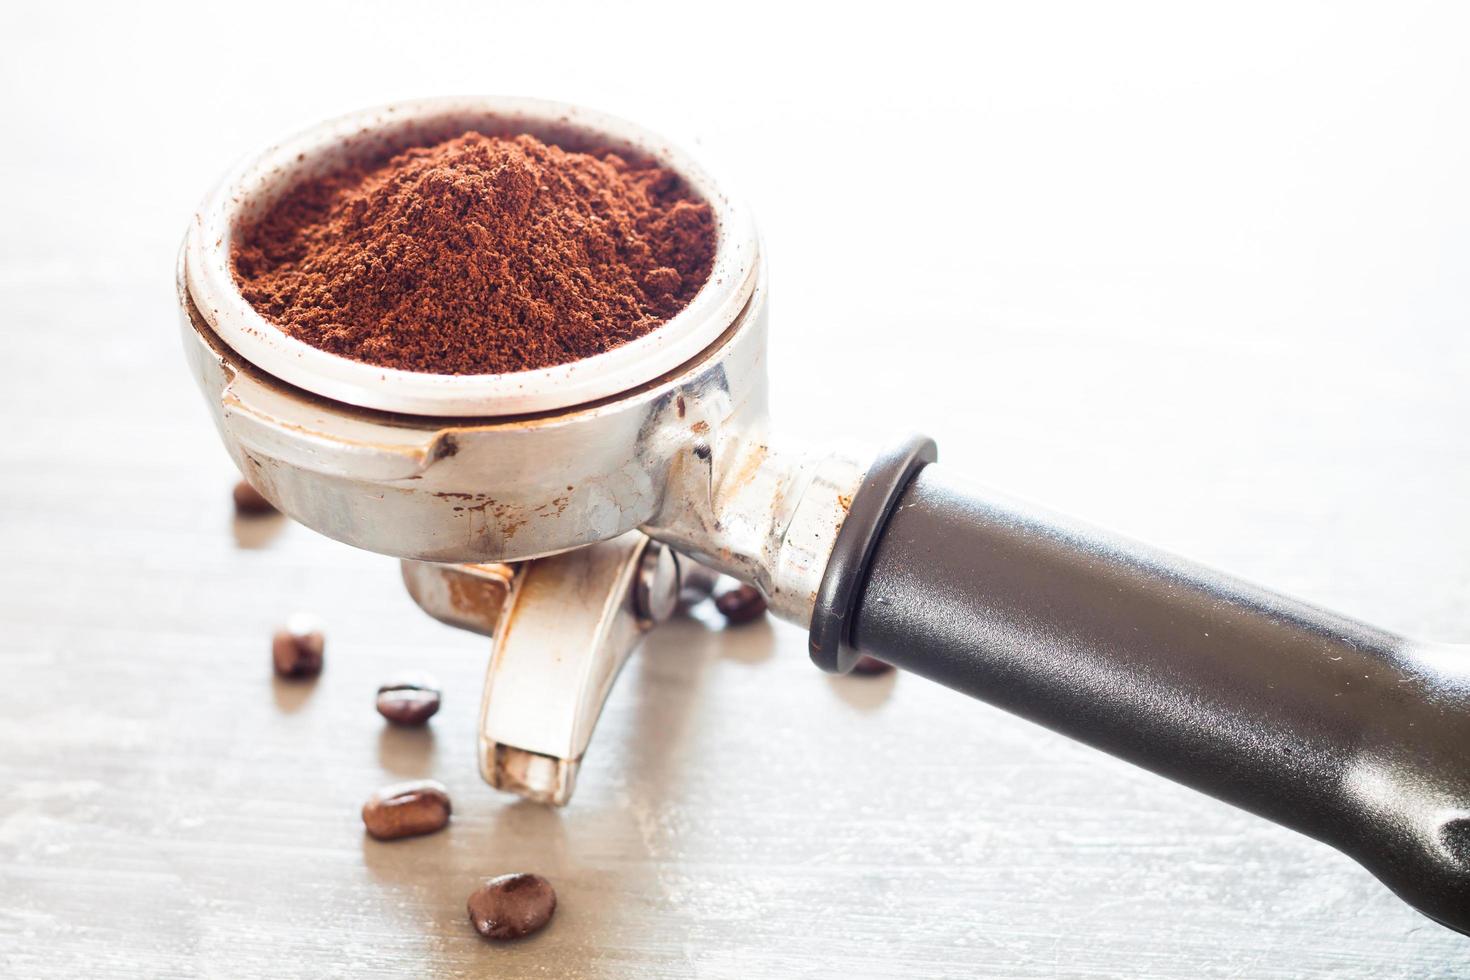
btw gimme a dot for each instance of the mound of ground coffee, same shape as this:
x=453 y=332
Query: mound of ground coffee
x=479 y=255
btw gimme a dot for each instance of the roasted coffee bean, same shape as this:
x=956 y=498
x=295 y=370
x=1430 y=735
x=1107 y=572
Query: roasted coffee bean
x=296 y=650
x=870 y=666
x=741 y=604
x=250 y=502
x=406 y=809
x=410 y=699
x=512 y=906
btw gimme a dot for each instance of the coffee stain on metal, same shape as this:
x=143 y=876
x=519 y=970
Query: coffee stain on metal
x=476 y=593
x=749 y=467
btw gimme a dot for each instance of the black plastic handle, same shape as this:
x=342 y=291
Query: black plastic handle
x=1349 y=734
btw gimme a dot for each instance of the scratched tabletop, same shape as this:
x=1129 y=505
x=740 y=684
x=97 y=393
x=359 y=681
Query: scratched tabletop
x=1197 y=277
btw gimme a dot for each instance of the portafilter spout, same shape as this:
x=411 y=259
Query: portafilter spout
x=1347 y=733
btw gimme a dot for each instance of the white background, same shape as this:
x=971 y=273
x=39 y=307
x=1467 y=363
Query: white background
x=1195 y=271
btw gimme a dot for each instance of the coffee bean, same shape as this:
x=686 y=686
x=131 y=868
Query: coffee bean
x=296 y=649
x=512 y=906
x=742 y=604
x=410 y=699
x=250 y=502
x=407 y=809
x=870 y=666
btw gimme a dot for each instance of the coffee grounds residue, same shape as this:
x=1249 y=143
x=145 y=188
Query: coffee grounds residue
x=478 y=255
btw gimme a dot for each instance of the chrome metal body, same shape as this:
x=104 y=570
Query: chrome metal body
x=689 y=456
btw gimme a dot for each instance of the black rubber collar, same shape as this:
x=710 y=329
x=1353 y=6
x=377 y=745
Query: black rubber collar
x=830 y=640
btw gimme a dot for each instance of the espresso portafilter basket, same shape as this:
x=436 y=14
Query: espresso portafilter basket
x=563 y=510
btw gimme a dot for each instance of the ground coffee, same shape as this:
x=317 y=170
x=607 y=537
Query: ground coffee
x=478 y=255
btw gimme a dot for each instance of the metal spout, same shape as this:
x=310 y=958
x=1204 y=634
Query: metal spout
x=563 y=627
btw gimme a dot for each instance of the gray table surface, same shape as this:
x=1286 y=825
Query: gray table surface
x=1198 y=278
